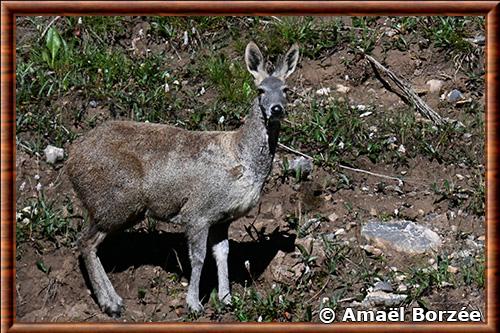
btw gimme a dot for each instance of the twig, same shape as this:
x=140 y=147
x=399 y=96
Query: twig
x=294 y=151
x=400 y=181
x=405 y=92
x=48 y=27
x=175 y=50
x=348 y=299
x=319 y=292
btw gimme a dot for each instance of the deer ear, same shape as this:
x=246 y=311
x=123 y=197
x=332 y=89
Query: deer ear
x=255 y=63
x=288 y=63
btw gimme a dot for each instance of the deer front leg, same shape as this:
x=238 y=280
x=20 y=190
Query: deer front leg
x=108 y=299
x=220 y=250
x=197 y=240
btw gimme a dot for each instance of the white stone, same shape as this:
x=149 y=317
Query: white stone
x=323 y=91
x=435 y=85
x=342 y=89
x=333 y=217
x=53 y=154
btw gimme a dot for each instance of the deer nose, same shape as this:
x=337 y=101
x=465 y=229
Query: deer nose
x=276 y=110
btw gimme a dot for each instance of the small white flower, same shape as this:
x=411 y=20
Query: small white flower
x=247 y=265
x=221 y=120
x=39 y=187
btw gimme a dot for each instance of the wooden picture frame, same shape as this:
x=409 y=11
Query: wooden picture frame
x=10 y=9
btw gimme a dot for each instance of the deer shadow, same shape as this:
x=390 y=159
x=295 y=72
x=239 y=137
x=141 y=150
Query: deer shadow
x=247 y=260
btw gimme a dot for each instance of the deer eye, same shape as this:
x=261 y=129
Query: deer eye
x=260 y=91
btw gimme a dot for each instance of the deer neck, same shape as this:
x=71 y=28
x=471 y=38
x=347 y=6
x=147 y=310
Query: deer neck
x=257 y=139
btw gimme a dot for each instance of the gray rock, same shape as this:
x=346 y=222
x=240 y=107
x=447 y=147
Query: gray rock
x=305 y=165
x=454 y=96
x=381 y=298
x=53 y=154
x=383 y=286
x=402 y=236
x=480 y=40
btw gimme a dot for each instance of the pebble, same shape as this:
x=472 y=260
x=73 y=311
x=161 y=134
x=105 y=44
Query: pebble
x=382 y=298
x=454 y=95
x=305 y=165
x=339 y=232
x=342 y=89
x=372 y=249
x=435 y=85
x=452 y=269
x=382 y=285
x=53 y=154
x=323 y=91
x=400 y=277
x=333 y=217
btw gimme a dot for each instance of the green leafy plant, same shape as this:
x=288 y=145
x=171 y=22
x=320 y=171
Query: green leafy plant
x=53 y=43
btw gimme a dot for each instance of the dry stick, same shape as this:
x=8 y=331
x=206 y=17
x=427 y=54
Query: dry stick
x=406 y=92
x=343 y=166
x=48 y=27
x=400 y=181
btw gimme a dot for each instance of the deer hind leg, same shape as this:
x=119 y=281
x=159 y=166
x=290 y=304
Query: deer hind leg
x=108 y=299
x=220 y=250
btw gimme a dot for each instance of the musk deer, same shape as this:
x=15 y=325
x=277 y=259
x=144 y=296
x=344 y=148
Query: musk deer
x=123 y=171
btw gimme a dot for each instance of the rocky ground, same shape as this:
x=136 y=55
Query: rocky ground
x=389 y=211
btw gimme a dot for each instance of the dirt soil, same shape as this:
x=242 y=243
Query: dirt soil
x=150 y=268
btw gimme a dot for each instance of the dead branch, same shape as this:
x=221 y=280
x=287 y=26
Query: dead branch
x=400 y=181
x=48 y=27
x=405 y=92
